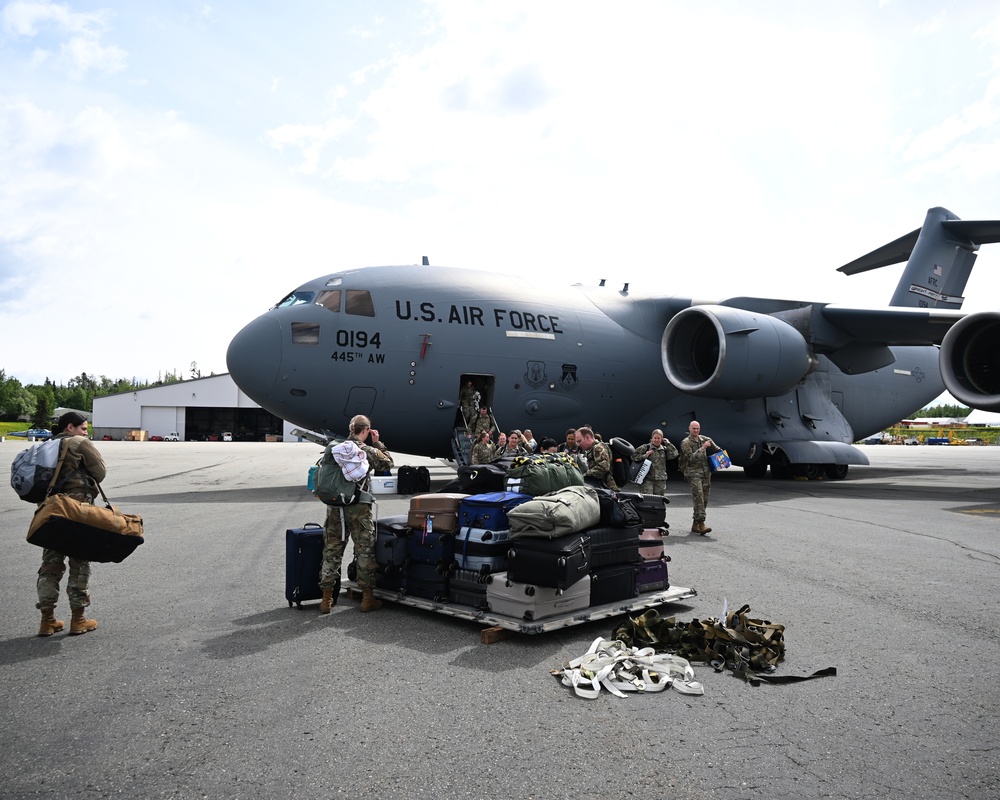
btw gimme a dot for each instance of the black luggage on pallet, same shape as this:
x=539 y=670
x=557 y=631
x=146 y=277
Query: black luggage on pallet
x=612 y=584
x=468 y=588
x=303 y=557
x=651 y=507
x=390 y=544
x=556 y=563
x=429 y=581
x=613 y=546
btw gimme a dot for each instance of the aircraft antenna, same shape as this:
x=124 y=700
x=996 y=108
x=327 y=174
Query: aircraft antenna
x=602 y=282
x=426 y=261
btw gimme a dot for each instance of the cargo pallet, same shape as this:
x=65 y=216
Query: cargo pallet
x=501 y=624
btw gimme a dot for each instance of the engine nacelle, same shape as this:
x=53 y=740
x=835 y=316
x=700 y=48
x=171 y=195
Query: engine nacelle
x=721 y=352
x=970 y=360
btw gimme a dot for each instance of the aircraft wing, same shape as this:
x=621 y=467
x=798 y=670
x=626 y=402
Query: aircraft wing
x=891 y=326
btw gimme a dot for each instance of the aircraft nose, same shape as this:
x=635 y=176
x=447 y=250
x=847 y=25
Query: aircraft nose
x=254 y=357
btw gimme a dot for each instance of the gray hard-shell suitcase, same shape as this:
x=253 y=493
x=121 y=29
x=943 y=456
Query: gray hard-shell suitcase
x=530 y=602
x=483 y=551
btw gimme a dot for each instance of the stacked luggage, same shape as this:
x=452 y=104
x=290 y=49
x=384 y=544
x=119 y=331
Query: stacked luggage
x=523 y=556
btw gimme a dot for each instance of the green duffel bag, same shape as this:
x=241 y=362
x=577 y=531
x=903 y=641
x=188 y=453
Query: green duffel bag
x=569 y=510
x=542 y=473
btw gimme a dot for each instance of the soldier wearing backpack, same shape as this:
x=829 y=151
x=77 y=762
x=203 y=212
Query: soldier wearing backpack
x=82 y=470
x=354 y=520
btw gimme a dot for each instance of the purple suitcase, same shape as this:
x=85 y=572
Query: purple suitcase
x=651 y=576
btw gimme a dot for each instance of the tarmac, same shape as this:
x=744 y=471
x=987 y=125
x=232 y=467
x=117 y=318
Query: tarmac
x=202 y=682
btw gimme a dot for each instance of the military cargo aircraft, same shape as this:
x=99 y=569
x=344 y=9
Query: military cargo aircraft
x=779 y=383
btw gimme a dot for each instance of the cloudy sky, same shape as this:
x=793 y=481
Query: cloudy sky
x=172 y=169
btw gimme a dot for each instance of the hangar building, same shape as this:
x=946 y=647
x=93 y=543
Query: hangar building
x=197 y=410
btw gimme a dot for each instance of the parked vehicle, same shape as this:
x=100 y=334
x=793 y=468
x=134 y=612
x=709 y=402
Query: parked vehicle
x=173 y=436
x=227 y=436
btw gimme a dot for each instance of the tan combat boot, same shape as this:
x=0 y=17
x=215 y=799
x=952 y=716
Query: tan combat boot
x=327 y=602
x=369 y=602
x=50 y=624
x=80 y=624
x=700 y=528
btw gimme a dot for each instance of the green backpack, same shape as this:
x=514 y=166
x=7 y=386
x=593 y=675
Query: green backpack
x=333 y=487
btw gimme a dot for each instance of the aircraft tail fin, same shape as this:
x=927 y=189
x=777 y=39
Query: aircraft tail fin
x=939 y=258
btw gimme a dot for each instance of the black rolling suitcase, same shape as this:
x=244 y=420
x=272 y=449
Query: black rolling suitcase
x=391 y=534
x=609 y=545
x=651 y=507
x=467 y=587
x=303 y=557
x=556 y=563
x=612 y=584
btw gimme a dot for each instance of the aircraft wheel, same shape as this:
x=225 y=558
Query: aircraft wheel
x=808 y=471
x=835 y=472
x=756 y=470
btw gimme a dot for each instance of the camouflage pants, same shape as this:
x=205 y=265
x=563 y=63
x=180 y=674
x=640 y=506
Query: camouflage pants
x=701 y=485
x=51 y=572
x=651 y=486
x=360 y=527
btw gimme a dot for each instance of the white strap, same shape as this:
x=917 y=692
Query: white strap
x=620 y=669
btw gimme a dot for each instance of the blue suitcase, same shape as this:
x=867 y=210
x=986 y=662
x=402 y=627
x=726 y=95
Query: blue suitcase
x=483 y=551
x=489 y=511
x=303 y=557
x=431 y=548
x=429 y=581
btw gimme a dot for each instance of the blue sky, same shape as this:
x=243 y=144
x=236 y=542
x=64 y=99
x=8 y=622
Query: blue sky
x=172 y=169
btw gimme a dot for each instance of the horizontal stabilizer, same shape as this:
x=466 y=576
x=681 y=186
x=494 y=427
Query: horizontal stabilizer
x=888 y=254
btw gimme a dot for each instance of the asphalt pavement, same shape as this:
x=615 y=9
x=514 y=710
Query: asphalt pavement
x=202 y=682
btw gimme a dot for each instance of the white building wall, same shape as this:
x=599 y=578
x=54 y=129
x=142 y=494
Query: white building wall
x=161 y=409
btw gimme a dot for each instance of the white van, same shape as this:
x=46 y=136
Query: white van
x=227 y=436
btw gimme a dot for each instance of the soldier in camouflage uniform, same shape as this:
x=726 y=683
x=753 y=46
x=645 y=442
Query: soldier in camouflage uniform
x=482 y=450
x=359 y=525
x=659 y=451
x=598 y=456
x=694 y=464
x=483 y=422
x=83 y=468
x=468 y=400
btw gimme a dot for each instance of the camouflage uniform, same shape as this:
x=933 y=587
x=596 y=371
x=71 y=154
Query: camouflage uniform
x=482 y=453
x=357 y=519
x=656 y=479
x=480 y=424
x=468 y=400
x=82 y=469
x=599 y=466
x=694 y=464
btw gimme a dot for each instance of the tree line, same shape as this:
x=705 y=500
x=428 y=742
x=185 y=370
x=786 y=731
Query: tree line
x=38 y=402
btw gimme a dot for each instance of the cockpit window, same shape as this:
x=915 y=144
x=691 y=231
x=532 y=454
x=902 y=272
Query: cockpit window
x=359 y=303
x=329 y=300
x=296 y=299
x=305 y=333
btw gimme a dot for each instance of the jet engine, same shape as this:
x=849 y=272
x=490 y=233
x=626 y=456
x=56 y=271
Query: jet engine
x=721 y=352
x=970 y=360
